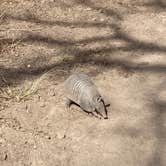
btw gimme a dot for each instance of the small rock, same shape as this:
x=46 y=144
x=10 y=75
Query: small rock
x=42 y=104
x=102 y=19
x=88 y=9
x=16 y=109
x=18 y=99
x=26 y=142
x=2 y=141
x=72 y=26
x=2 y=108
x=35 y=147
x=28 y=65
x=43 y=1
x=3 y=156
x=25 y=107
x=52 y=93
x=100 y=10
x=48 y=137
x=61 y=135
x=93 y=19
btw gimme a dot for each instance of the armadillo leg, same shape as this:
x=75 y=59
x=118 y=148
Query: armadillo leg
x=67 y=103
x=94 y=113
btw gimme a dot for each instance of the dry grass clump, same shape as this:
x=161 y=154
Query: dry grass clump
x=22 y=93
x=17 y=94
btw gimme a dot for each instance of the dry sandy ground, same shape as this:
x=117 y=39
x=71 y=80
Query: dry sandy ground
x=120 y=44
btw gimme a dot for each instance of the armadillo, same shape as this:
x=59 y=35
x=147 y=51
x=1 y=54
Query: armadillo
x=82 y=91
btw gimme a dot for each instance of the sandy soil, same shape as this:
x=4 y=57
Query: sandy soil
x=121 y=45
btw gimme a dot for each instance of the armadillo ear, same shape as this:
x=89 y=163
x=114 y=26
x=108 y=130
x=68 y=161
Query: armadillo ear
x=94 y=109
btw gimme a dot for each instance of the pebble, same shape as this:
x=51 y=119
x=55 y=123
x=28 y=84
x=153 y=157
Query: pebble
x=48 y=137
x=2 y=108
x=94 y=19
x=35 y=147
x=88 y=9
x=52 y=93
x=42 y=104
x=3 y=156
x=2 y=141
x=102 y=19
x=72 y=26
x=61 y=135
x=28 y=65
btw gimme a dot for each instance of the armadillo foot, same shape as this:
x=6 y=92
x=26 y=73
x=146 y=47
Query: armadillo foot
x=95 y=114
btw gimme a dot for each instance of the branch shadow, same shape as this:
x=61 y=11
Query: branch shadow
x=132 y=43
x=158 y=4
x=107 y=12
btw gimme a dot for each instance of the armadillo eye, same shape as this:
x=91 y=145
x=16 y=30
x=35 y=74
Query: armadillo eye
x=99 y=99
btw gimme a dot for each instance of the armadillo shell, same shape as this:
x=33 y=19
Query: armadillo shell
x=80 y=88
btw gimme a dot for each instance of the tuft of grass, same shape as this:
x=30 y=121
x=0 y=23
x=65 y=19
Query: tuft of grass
x=22 y=93
x=17 y=94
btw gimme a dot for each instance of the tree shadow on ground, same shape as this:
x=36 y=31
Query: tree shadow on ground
x=157 y=4
x=83 y=56
x=160 y=135
x=108 y=12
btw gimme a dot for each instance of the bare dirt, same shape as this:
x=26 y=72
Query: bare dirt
x=121 y=45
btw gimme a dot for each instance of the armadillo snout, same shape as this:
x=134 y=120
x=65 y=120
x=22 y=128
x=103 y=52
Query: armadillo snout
x=101 y=110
